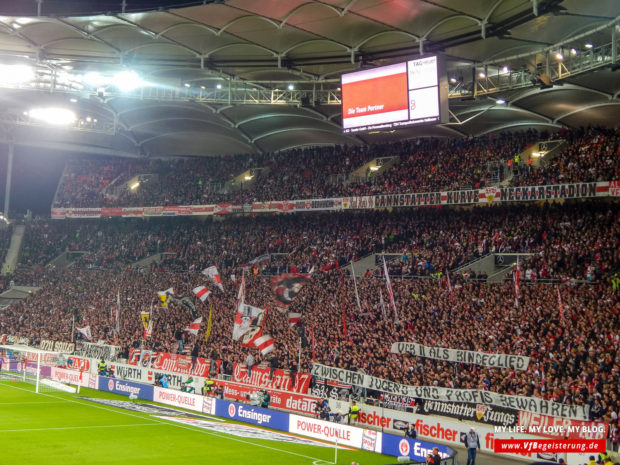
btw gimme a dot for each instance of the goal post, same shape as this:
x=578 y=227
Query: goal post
x=32 y=366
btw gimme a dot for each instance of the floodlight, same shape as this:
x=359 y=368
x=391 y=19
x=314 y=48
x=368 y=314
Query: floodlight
x=218 y=86
x=95 y=79
x=135 y=185
x=126 y=81
x=291 y=87
x=55 y=116
x=374 y=168
x=500 y=101
x=16 y=74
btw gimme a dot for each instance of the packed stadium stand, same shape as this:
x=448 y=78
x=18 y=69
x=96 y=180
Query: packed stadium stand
x=158 y=185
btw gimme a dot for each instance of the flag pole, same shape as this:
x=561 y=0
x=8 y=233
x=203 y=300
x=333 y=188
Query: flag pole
x=357 y=296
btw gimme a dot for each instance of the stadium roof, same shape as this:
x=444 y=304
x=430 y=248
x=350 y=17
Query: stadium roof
x=241 y=76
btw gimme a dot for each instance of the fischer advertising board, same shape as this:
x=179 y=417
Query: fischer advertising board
x=438 y=429
x=125 y=388
x=251 y=414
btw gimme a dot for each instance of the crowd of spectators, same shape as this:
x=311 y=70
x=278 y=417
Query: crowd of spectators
x=574 y=359
x=565 y=241
x=423 y=165
x=590 y=155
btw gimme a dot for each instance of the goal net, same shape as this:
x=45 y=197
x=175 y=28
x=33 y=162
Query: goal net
x=33 y=366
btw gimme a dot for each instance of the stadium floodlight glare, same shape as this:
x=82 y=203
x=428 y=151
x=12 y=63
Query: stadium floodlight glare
x=452 y=80
x=573 y=51
x=291 y=87
x=374 y=168
x=187 y=84
x=500 y=101
x=16 y=74
x=482 y=74
x=95 y=79
x=126 y=81
x=505 y=69
x=247 y=177
x=559 y=56
x=537 y=154
x=135 y=185
x=55 y=116
x=589 y=45
x=218 y=86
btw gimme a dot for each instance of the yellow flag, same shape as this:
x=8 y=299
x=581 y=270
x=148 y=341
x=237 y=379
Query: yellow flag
x=208 y=331
x=146 y=317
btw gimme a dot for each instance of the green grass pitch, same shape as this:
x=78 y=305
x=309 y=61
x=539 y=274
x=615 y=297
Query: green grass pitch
x=58 y=428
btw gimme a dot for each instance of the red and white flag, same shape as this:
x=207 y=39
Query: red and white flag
x=450 y=287
x=246 y=317
x=202 y=293
x=213 y=275
x=85 y=331
x=382 y=305
x=516 y=279
x=560 y=306
x=194 y=326
x=293 y=318
x=256 y=338
x=389 y=289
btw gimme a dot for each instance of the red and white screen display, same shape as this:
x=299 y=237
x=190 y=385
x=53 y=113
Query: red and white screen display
x=391 y=96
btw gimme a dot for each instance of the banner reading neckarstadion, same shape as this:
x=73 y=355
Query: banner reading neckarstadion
x=484 y=196
x=529 y=404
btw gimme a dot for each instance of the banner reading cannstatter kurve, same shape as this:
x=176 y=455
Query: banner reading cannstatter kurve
x=529 y=404
x=516 y=362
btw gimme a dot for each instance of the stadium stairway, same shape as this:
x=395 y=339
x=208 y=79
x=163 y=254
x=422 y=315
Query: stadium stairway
x=12 y=254
x=495 y=265
x=546 y=150
x=148 y=261
x=376 y=167
x=371 y=262
x=15 y=294
x=65 y=259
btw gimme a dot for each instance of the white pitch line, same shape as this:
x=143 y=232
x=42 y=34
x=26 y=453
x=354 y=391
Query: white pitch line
x=74 y=427
x=28 y=403
x=169 y=423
